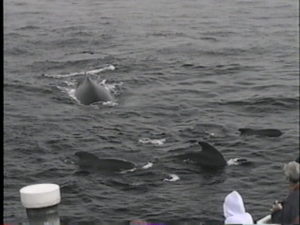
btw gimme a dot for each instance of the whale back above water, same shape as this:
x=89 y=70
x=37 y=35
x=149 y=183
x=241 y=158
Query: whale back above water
x=90 y=162
x=208 y=157
x=89 y=92
x=261 y=132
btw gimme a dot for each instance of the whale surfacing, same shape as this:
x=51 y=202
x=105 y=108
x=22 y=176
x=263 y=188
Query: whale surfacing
x=89 y=92
x=88 y=161
x=208 y=157
x=261 y=132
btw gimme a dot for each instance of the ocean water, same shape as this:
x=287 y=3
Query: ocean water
x=180 y=72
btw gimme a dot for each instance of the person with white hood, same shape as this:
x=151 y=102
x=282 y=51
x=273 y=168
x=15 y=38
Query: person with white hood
x=234 y=210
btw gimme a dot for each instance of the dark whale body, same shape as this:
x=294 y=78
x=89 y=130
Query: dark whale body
x=89 y=92
x=208 y=157
x=261 y=132
x=90 y=162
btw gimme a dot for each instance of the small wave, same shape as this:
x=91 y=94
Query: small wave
x=69 y=83
x=128 y=171
x=204 y=129
x=29 y=27
x=210 y=134
x=109 y=67
x=113 y=87
x=26 y=87
x=110 y=103
x=209 y=39
x=90 y=72
x=69 y=161
x=147 y=166
x=152 y=141
x=266 y=103
x=172 y=178
x=265 y=100
x=17 y=51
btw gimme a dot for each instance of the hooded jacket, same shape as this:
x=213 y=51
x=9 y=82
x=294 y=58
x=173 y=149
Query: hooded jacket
x=234 y=210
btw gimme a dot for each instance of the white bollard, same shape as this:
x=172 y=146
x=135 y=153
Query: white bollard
x=41 y=201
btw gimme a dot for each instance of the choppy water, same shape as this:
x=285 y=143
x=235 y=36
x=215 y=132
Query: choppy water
x=182 y=71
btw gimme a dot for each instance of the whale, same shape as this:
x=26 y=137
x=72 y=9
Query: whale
x=88 y=92
x=260 y=132
x=208 y=157
x=90 y=162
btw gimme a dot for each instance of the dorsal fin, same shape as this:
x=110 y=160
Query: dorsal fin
x=207 y=147
x=212 y=152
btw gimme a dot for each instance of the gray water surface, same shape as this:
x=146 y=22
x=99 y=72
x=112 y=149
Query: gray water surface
x=184 y=70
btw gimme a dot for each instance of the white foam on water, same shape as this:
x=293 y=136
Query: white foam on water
x=111 y=87
x=107 y=68
x=71 y=93
x=110 y=103
x=152 y=141
x=236 y=161
x=69 y=83
x=69 y=161
x=90 y=72
x=172 y=178
x=147 y=166
x=128 y=171
x=63 y=75
x=212 y=134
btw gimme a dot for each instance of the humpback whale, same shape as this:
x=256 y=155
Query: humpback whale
x=261 y=132
x=89 y=92
x=209 y=157
x=90 y=162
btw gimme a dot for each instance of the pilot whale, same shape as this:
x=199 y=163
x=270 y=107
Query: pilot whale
x=89 y=92
x=89 y=162
x=208 y=157
x=261 y=132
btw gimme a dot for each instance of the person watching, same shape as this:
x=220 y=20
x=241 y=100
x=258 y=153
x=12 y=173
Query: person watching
x=287 y=211
x=234 y=210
